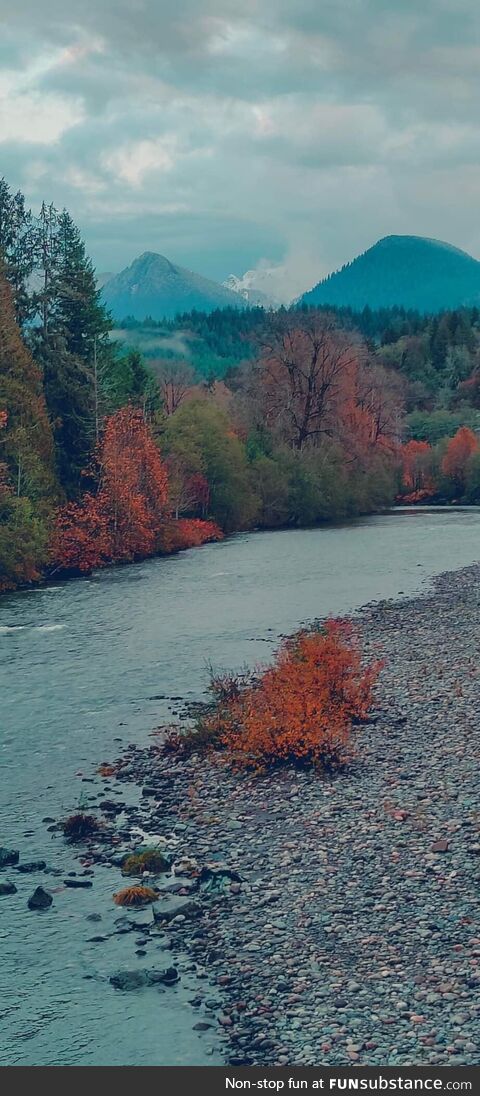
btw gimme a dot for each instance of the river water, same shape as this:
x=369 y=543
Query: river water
x=88 y=666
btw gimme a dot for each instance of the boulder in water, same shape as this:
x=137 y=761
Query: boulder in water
x=8 y=857
x=7 y=888
x=175 y=905
x=40 y=899
x=31 y=865
x=128 y=980
x=166 y=977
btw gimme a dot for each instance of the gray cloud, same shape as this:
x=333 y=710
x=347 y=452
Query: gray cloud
x=286 y=130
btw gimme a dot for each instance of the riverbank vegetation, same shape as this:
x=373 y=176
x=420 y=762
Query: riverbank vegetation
x=300 y=709
x=240 y=420
x=446 y=472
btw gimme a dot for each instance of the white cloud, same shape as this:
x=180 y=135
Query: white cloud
x=217 y=133
x=36 y=118
x=323 y=132
x=138 y=159
x=248 y=41
x=31 y=115
x=86 y=181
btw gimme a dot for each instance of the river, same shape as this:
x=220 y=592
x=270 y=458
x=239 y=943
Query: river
x=88 y=666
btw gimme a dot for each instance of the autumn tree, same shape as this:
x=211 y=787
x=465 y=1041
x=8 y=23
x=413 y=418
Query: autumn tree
x=379 y=398
x=201 y=441
x=416 y=470
x=134 y=481
x=27 y=481
x=174 y=378
x=123 y=519
x=28 y=448
x=307 y=370
x=189 y=492
x=457 y=454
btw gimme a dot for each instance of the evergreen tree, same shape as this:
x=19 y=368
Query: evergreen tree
x=17 y=249
x=70 y=342
x=124 y=378
x=79 y=314
x=46 y=253
x=69 y=392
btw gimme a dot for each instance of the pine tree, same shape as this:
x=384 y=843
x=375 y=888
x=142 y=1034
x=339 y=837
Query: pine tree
x=79 y=314
x=69 y=393
x=17 y=249
x=70 y=341
x=46 y=254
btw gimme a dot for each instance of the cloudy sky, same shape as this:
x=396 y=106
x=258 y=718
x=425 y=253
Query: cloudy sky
x=225 y=133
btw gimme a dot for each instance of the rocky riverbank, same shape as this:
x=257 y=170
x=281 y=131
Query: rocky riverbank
x=334 y=920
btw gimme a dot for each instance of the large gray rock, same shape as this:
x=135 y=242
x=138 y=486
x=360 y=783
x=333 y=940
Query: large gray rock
x=31 y=866
x=40 y=899
x=7 y=888
x=218 y=880
x=128 y=980
x=8 y=857
x=172 y=906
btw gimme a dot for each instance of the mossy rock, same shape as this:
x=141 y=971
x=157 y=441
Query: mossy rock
x=151 y=860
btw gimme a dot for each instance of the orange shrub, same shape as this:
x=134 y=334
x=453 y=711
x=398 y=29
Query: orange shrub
x=135 y=896
x=303 y=707
x=187 y=533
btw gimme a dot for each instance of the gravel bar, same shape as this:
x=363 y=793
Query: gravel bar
x=351 y=934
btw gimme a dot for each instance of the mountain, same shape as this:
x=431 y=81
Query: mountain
x=153 y=286
x=104 y=277
x=411 y=271
x=247 y=287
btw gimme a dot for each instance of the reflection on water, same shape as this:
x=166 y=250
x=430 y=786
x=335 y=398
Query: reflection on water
x=84 y=667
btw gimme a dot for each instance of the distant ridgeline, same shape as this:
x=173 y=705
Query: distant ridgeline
x=411 y=271
x=155 y=287
x=165 y=310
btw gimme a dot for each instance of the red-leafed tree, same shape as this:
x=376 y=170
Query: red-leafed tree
x=82 y=539
x=457 y=455
x=134 y=484
x=189 y=491
x=417 y=476
x=123 y=520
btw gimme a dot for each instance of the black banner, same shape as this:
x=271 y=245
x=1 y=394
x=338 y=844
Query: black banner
x=220 y=1080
